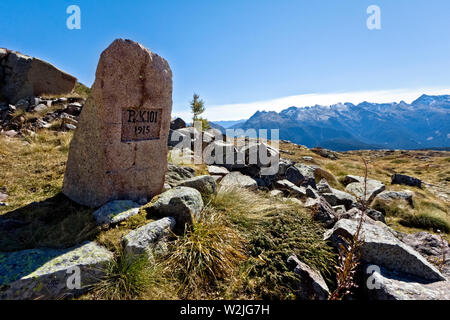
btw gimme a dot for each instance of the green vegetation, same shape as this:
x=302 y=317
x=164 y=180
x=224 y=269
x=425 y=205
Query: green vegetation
x=425 y=221
x=207 y=253
x=127 y=277
x=197 y=108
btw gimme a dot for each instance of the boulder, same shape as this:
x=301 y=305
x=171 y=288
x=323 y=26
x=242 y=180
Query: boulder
x=404 y=195
x=260 y=154
x=144 y=239
x=182 y=203
x=322 y=211
x=308 y=174
x=406 y=180
x=116 y=211
x=382 y=248
x=237 y=179
x=177 y=123
x=373 y=188
x=291 y=189
x=25 y=76
x=119 y=150
x=383 y=284
x=340 y=210
x=50 y=273
x=337 y=197
x=311 y=284
x=175 y=174
x=283 y=165
x=205 y=184
x=323 y=187
x=432 y=247
x=325 y=153
x=293 y=175
x=220 y=153
x=355 y=214
x=74 y=109
x=218 y=171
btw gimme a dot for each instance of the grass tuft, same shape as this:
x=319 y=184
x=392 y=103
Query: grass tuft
x=208 y=252
x=425 y=221
x=127 y=277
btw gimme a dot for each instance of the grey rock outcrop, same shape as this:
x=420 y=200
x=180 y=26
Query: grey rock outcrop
x=405 y=195
x=406 y=180
x=116 y=211
x=144 y=239
x=206 y=185
x=311 y=286
x=48 y=273
x=382 y=248
x=182 y=203
x=23 y=76
x=388 y=285
x=175 y=174
x=237 y=179
x=373 y=188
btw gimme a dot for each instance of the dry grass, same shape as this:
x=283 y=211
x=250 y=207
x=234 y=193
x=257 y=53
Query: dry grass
x=429 y=166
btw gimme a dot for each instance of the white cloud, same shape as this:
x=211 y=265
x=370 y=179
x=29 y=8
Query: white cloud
x=245 y=110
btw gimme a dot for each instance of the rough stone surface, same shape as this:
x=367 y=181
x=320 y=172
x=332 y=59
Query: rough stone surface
x=290 y=189
x=382 y=248
x=237 y=179
x=373 y=188
x=177 y=123
x=308 y=173
x=175 y=174
x=395 y=286
x=206 y=185
x=406 y=180
x=44 y=273
x=355 y=213
x=323 y=187
x=293 y=175
x=432 y=247
x=218 y=171
x=322 y=211
x=325 y=153
x=405 y=195
x=182 y=203
x=116 y=211
x=337 y=197
x=311 y=286
x=144 y=239
x=113 y=155
x=25 y=77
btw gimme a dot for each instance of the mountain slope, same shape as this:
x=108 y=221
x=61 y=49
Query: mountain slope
x=425 y=123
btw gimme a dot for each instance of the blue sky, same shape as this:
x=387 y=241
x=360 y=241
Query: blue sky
x=244 y=55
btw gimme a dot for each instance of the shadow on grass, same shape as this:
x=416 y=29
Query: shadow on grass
x=56 y=222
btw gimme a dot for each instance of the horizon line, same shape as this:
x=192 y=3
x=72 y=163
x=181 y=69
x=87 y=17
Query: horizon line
x=240 y=111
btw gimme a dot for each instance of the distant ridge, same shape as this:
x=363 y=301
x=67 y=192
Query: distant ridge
x=423 y=124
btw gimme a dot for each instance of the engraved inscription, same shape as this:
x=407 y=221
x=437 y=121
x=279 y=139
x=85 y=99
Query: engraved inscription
x=140 y=124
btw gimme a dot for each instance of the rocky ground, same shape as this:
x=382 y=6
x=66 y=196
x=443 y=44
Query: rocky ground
x=267 y=236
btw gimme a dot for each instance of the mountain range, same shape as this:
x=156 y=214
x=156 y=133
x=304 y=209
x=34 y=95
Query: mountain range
x=425 y=123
